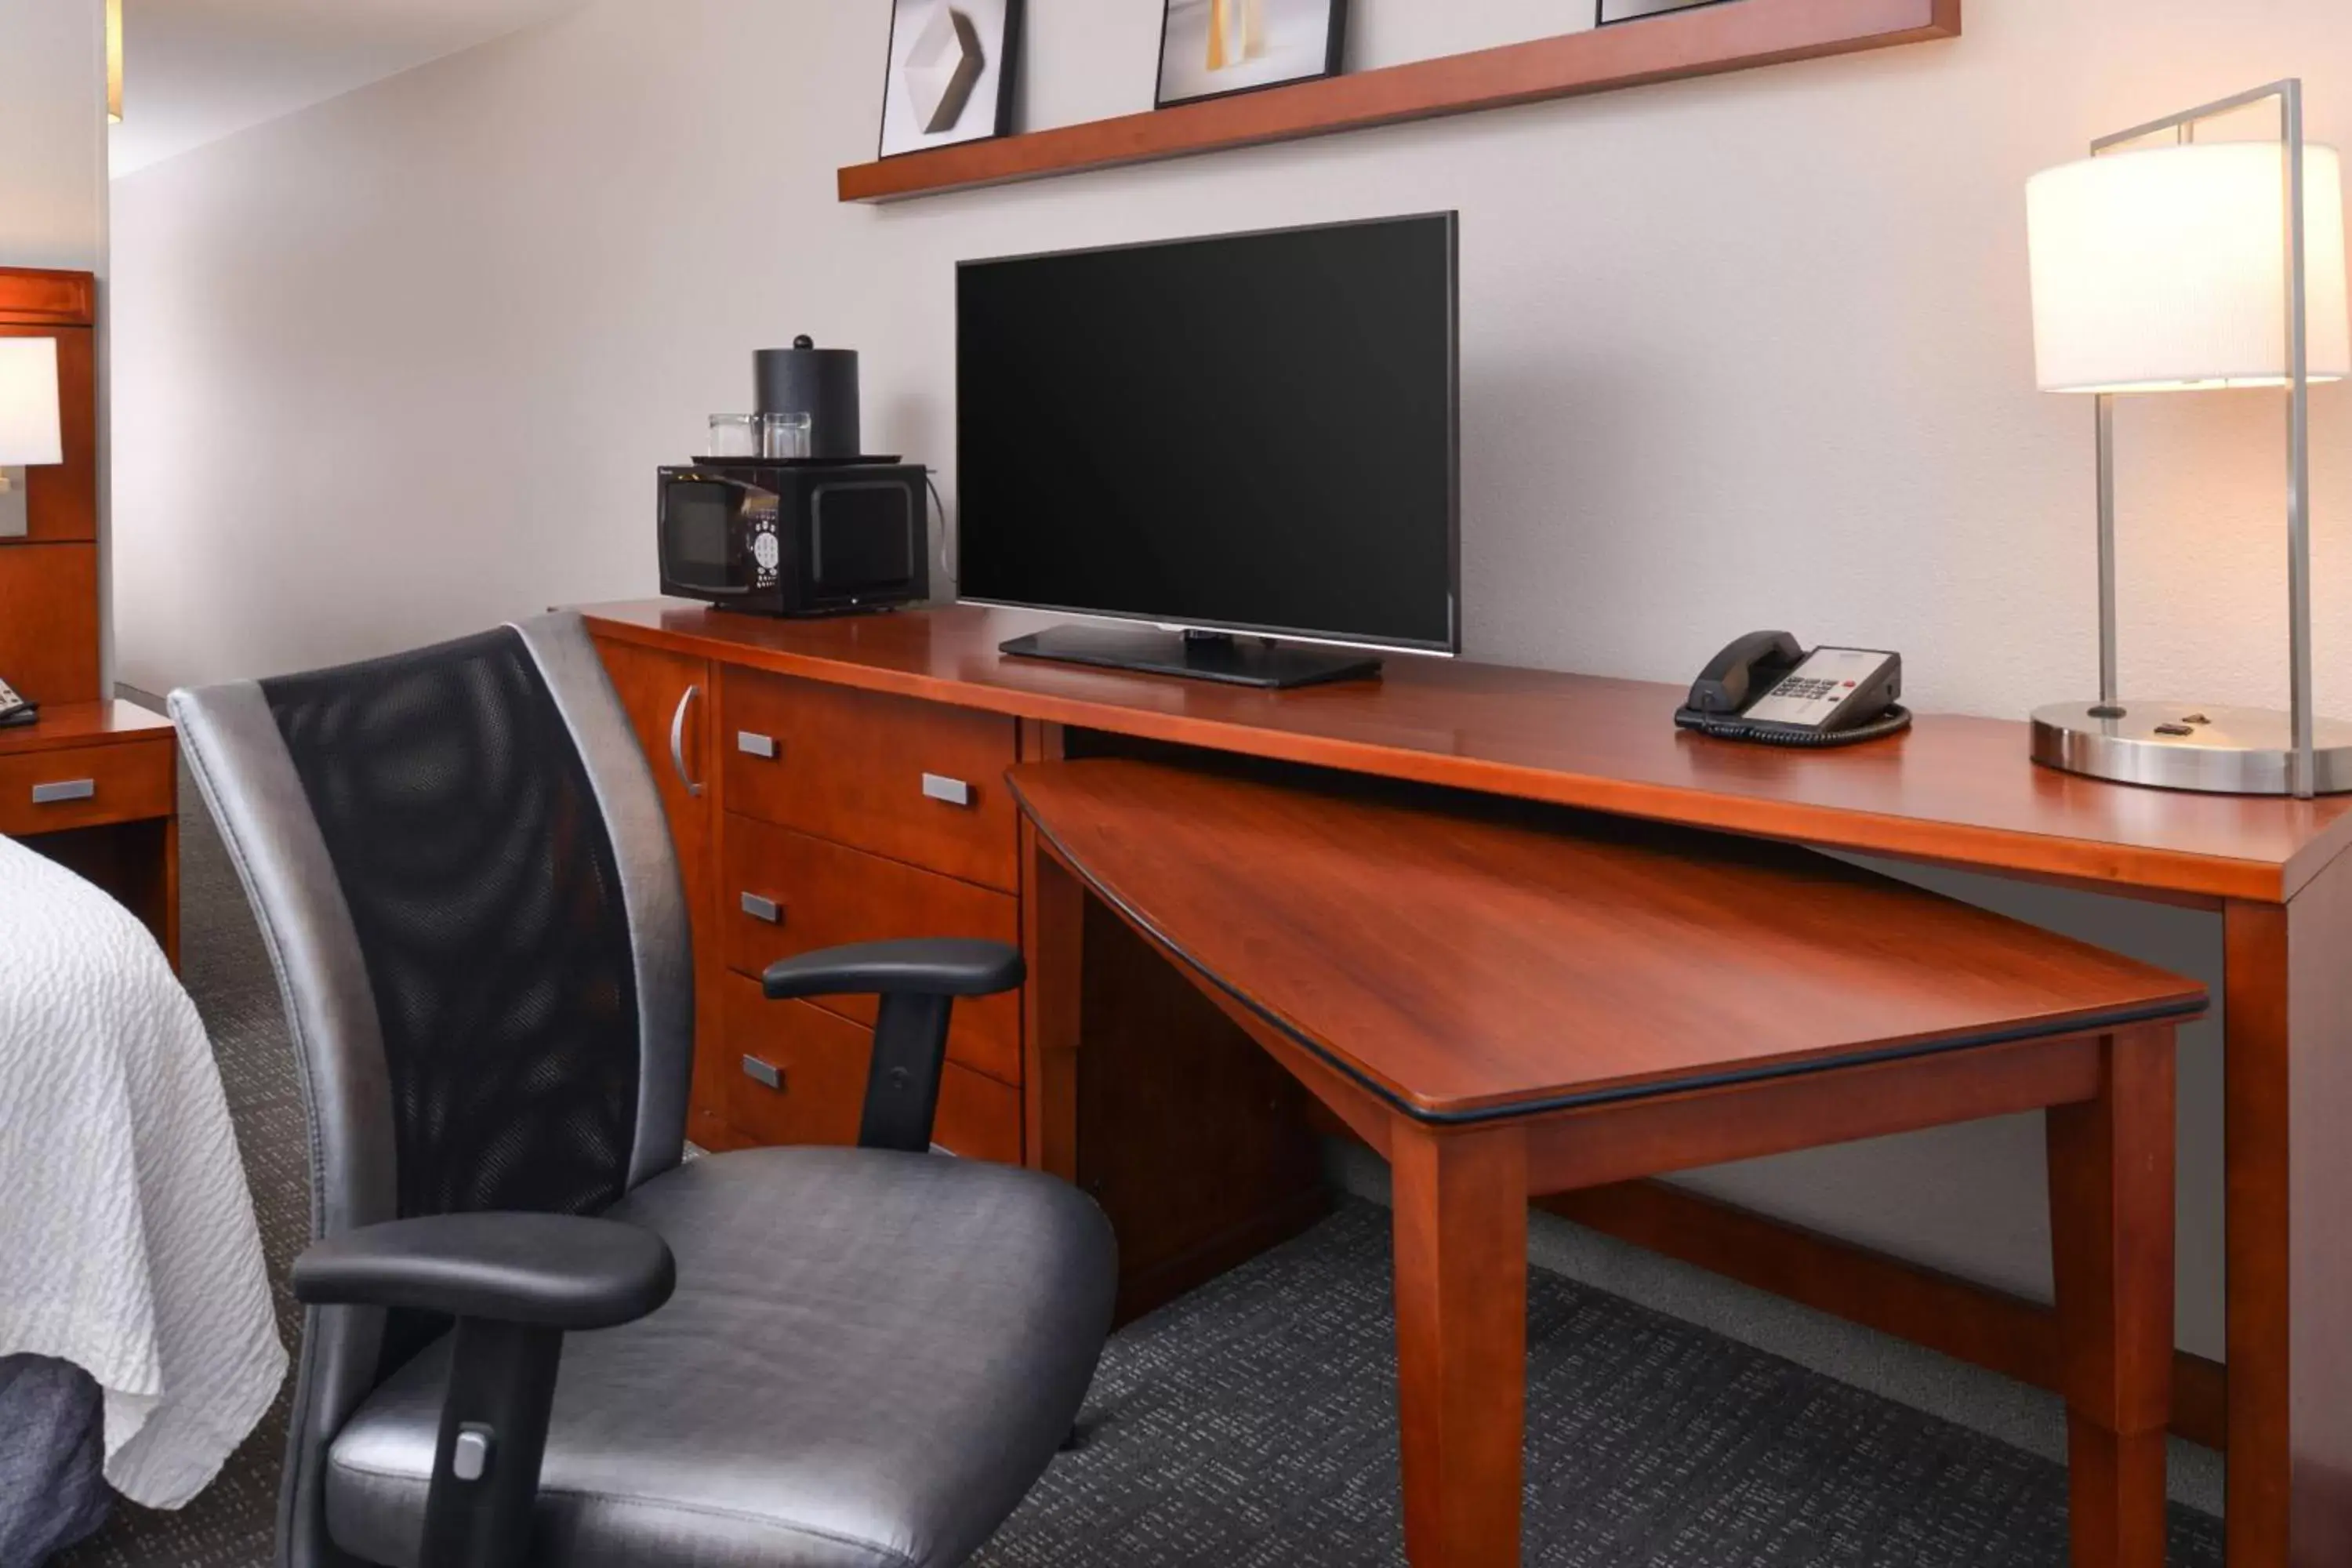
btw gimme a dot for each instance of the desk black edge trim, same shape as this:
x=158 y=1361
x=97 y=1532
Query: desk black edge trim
x=2094 y=1024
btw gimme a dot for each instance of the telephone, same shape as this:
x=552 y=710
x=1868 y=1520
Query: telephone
x=14 y=710
x=1767 y=688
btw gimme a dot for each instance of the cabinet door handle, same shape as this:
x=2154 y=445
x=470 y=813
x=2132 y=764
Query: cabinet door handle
x=954 y=792
x=752 y=745
x=678 y=740
x=761 y=909
x=59 y=794
x=765 y=1073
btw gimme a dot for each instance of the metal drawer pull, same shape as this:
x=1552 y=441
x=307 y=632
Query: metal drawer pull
x=752 y=745
x=955 y=792
x=765 y=1073
x=57 y=793
x=678 y=740
x=761 y=909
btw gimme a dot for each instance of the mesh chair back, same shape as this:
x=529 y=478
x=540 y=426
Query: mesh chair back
x=458 y=862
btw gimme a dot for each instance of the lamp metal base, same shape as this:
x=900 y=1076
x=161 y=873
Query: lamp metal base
x=2189 y=746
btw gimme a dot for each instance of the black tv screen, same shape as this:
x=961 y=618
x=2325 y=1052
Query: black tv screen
x=1253 y=433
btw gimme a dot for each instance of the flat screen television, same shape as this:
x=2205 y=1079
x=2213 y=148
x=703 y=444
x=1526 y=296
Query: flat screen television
x=1251 y=436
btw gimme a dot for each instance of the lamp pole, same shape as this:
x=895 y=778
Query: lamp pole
x=2298 y=447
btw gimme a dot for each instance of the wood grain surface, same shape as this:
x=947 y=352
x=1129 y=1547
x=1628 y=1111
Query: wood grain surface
x=1707 y=42
x=852 y=766
x=83 y=724
x=44 y=297
x=1958 y=790
x=829 y=895
x=1464 y=965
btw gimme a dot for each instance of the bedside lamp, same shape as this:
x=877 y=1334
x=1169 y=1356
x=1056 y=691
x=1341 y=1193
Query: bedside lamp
x=2184 y=268
x=30 y=430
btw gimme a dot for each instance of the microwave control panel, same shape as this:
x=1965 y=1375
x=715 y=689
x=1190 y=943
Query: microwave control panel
x=767 y=550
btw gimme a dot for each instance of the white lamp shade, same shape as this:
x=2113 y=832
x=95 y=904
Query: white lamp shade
x=2165 y=270
x=30 y=432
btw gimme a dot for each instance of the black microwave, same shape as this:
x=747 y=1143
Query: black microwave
x=796 y=539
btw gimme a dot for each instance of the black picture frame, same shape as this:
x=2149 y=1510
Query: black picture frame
x=1334 y=54
x=1007 y=77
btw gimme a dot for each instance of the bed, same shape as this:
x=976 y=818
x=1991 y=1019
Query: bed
x=136 y=1332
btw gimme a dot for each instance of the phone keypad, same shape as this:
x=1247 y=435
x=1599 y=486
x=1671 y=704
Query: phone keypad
x=1797 y=690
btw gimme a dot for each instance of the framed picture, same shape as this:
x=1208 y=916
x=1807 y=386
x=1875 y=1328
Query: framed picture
x=951 y=69
x=1209 y=48
x=1635 y=10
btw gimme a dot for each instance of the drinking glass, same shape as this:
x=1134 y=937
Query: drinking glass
x=785 y=434
x=734 y=435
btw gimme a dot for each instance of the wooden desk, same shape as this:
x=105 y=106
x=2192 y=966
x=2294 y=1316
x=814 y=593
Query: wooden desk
x=1959 y=792
x=1505 y=1010
x=95 y=786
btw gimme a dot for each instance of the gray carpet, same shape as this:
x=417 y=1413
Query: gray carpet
x=1253 y=1422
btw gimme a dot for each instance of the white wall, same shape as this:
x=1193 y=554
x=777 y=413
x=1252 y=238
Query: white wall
x=52 y=133
x=1744 y=350
x=53 y=191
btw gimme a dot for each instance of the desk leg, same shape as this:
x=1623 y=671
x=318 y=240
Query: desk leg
x=2111 y=1202
x=1462 y=1334
x=2288 y=1009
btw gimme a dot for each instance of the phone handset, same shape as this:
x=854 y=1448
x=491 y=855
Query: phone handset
x=14 y=710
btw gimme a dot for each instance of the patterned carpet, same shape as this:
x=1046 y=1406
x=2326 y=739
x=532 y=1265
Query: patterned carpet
x=1251 y=1425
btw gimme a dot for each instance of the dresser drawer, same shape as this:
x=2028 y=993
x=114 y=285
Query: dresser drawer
x=818 y=1063
x=784 y=893
x=915 y=781
x=816 y=1060
x=86 y=787
x=979 y=1118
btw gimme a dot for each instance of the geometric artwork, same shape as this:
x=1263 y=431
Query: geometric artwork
x=951 y=64
x=1209 y=48
x=941 y=68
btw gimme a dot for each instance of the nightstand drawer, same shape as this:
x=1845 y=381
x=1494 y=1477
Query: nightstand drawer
x=784 y=893
x=915 y=781
x=800 y=1078
x=86 y=787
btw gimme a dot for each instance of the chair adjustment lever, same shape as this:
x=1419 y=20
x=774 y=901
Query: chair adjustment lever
x=470 y=1459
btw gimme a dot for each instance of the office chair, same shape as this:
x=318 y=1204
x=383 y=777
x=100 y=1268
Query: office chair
x=792 y=1358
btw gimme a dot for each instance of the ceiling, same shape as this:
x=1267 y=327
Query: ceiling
x=197 y=70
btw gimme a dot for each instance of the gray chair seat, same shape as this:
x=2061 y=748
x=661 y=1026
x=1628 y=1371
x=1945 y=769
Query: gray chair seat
x=868 y=1359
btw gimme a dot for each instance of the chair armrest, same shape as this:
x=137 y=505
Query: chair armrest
x=531 y=1270
x=918 y=983
x=932 y=967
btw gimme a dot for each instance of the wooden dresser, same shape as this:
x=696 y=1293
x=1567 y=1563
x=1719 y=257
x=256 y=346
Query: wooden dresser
x=48 y=575
x=806 y=816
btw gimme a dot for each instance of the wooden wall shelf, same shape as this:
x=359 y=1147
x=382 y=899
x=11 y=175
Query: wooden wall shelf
x=1735 y=36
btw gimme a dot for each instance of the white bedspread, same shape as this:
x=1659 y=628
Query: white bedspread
x=128 y=1244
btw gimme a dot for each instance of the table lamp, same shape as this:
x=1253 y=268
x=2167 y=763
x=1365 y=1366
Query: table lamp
x=30 y=431
x=2184 y=267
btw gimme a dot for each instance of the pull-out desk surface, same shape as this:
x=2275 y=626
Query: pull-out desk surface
x=1507 y=1006
x=1464 y=967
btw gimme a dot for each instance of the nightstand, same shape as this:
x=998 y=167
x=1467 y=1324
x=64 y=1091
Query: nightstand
x=95 y=787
